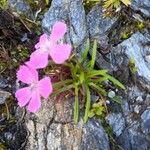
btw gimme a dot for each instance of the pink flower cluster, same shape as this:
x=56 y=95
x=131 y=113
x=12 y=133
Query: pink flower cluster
x=46 y=48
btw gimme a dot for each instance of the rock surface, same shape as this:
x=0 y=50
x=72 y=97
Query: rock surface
x=136 y=48
x=49 y=132
x=133 y=133
x=94 y=137
x=3 y=82
x=4 y=96
x=145 y=121
x=117 y=122
x=21 y=7
x=141 y=5
x=99 y=26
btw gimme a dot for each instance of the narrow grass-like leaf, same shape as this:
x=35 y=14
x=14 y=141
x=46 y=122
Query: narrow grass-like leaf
x=76 y=105
x=100 y=79
x=116 y=4
x=85 y=52
x=116 y=82
x=88 y=103
x=126 y=2
x=62 y=83
x=66 y=88
x=108 y=3
x=93 y=54
x=98 y=88
x=73 y=69
x=82 y=77
x=47 y=2
x=93 y=73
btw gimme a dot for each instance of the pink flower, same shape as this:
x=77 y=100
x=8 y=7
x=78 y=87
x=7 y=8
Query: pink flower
x=31 y=94
x=48 y=46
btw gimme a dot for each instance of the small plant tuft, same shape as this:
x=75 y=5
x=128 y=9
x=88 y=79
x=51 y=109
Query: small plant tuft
x=85 y=79
x=115 y=3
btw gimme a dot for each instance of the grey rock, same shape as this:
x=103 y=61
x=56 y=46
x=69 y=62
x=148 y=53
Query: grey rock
x=139 y=99
x=117 y=122
x=111 y=94
x=21 y=7
x=100 y=26
x=54 y=137
x=94 y=137
x=3 y=83
x=125 y=108
x=38 y=125
x=132 y=139
x=72 y=12
x=8 y=136
x=146 y=121
x=95 y=98
x=147 y=58
x=141 y=5
x=133 y=48
x=138 y=141
x=4 y=96
x=137 y=109
x=135 y=135
x=49 y=130
x=134 y=93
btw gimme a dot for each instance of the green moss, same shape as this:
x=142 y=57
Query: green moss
x=140 y=25
x=97 y=110
x=88 y=4
x=115 y=3
x=3 y=4
x=132 y=66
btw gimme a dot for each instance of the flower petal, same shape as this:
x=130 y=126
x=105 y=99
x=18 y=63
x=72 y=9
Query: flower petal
x=60 y=53
x=23 y=96
x=27 y=74
x=42 y=40
x=38 y=60
x=45 y=87
x=58 y=31
x=35 y=102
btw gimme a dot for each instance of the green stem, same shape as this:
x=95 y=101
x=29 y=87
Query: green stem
x=76 y=105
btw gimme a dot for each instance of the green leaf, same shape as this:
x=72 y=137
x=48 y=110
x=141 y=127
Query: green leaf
x=91 y=114
x=93 y=73
x=93 y=54
x=101 y=79
x=117 y=4
x=88 y=103
x=66 y=88
x=98 y=88
x=73 y=69
x=62 y=83
x=99 y=111
x=126 y=2
x=116 y=82
x=47 y=2
x=82 y=77
x=85 y=52
x=108 y=3
x=76 y=105
x=116 y=99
